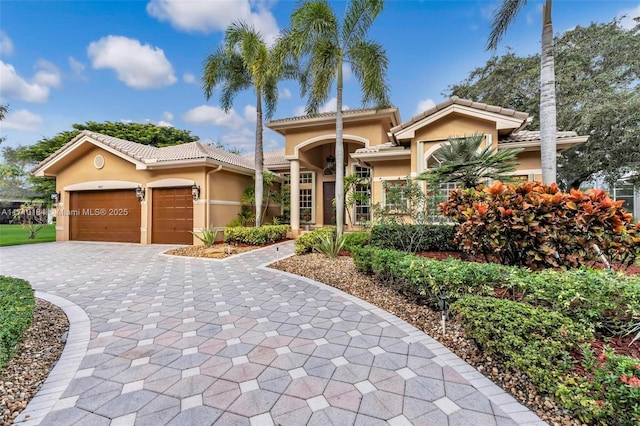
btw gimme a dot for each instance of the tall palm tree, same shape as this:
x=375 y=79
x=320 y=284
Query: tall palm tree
x=324 y=45
x=244 y=61
x=505 y=15
x=461 y=161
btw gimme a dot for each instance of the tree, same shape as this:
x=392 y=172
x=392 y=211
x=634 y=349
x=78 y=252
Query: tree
x=318 y=39
x=32 y=216
x=3 y=112
x=598 y=95
x=243 y=62
x=461 y=161
x=147 y=134
x=504 y=16
x=13 y=177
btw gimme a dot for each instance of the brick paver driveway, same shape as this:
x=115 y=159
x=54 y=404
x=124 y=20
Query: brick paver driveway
x=186 y=341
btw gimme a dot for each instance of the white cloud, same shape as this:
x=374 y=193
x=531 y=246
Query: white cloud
x=23 y=120
x=211 y=115
x=285 y=93
x=13 y=85
x=167 y=116
x=188 y=78
x=47 y=74
x=346 y=71
x=77 y=66
x=298 y=111
x=250 y=114
x=332 y=105
x=245 y=140
x=137 y=65
x=424 y=105
x=215 y=15
x=163 y=123
x=626 y=17
x=6 y=45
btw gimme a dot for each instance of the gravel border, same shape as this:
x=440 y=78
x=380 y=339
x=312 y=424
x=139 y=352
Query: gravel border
x=59 y=378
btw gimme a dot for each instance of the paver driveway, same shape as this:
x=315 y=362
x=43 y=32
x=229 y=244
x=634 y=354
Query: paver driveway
x=186 y=341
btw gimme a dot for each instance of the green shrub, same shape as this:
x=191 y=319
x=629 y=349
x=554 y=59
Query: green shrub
x=330 y=246
x=235 y=223
x=256 y=236
x=208 y=236
x=308 y=241
x=362 y=258
x=356 y=239
x=414 y=238
x=608 y=300
x=539 y=226
x=17 y=304
x=534 y=340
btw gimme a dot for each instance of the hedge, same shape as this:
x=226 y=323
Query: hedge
x=17 y=304
x=414 y=238
x=354 y=240
x=308 y=241
x=256 y=236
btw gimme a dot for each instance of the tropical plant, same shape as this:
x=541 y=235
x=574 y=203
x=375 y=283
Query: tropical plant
x=271 y=194
x=244 y=61
x=353 y=197
x=330 y=245
x=505 y=15
x=208 y=236
x=317 y=38
x=462 y=161
x=32 y=216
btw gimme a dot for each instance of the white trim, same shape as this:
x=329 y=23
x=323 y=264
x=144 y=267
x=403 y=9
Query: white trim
x=172 y=182
x=382 y=155
x=59 y=228
x=102 y=184
x=528 y=145
x=200 y=201
x=224 y=203
x=328 y=137
x=139 y=165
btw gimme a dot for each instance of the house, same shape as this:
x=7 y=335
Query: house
x=380 y=147
x=110 y=189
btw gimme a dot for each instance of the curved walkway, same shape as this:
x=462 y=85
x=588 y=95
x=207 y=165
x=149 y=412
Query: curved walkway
x=185 y=341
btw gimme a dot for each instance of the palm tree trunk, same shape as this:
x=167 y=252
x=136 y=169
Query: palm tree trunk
x=259 y=161
x=547 y=100
x=339 y=156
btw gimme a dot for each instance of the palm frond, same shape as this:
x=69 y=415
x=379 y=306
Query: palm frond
x=323 y=65
x=358 y=18
x=213 y=72
x=504 y=16
x=312 y=22
x=369 y=64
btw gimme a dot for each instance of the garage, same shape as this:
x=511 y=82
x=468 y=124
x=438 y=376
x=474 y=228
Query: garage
x=108 y=215
x=172 y=217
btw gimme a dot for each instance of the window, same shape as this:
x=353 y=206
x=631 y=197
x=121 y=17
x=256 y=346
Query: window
x=436 y=197
x=306 y=177
x=394 y=196
x=362 y=209
x=306 y=205
x=626 y=192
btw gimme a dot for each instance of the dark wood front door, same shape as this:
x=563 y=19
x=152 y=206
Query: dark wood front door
x=108 y=215
x=328 y=211
x=172 y=220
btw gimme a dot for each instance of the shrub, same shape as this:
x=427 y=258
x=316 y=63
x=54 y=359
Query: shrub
x=362 y=257
x=330 y=246
x=609 y=394
x=539 y=226
x=16 y=313
x=256 y=236
x=356 y=239
x=208 y=236
x=608 y=300
x=306 y=242
x=414 y=238
x=534 y=340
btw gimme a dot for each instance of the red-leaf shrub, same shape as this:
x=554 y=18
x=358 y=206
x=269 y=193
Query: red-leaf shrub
x=539 y=226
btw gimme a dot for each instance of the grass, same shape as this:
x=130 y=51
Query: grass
x=13 y=235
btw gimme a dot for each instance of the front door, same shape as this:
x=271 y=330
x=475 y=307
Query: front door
x=328 y=210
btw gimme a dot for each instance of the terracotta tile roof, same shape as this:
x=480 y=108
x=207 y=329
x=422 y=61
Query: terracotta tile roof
x=322 y=114
x=532 y=136
x=385 y=147
x=149 y=154
x=463 y=102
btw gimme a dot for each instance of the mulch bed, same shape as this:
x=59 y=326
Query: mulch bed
x=218 y=250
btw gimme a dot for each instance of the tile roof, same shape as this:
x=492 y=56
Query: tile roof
x=463 y=102
x=322 y=114
x=532 y=136
x=150 y=155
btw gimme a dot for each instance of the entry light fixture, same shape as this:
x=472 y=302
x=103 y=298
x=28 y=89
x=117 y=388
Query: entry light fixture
x=195 y=191
x=331 y=162
x=56 y=197
x=140 y=193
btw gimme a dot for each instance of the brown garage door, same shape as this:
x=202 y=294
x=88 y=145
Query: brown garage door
x=110 y=215
x=172 y=220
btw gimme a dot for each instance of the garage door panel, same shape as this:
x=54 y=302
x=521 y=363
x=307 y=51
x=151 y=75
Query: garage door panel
x=112 y=215
x=172 y=220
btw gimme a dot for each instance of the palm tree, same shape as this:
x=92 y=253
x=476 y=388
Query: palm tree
x=505 y=15
x=462 y=162
x=317 y=38
x=244 y=61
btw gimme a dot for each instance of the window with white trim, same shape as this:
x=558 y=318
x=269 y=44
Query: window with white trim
x=307 y=192
x=362 y=209
x=394 y=197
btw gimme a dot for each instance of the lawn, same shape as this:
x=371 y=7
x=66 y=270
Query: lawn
x=13 y=235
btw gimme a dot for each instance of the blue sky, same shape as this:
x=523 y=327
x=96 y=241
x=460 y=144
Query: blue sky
x=65 y=62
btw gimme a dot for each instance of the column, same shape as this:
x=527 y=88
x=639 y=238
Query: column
x=295 y=196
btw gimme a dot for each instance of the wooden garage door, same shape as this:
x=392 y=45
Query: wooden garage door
x=112 y=215
x=172 y=216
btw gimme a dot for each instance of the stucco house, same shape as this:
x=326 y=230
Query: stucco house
x=109 y=189
x=379 y=146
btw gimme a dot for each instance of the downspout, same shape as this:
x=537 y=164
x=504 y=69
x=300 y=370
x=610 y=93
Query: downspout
x=206 y=194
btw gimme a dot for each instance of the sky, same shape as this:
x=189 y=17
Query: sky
x=65 y=62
